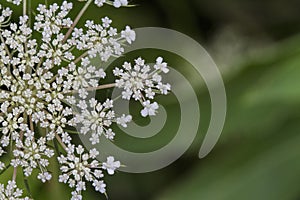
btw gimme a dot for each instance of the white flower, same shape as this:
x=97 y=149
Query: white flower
x=11 y=192
x=149 y=108
x=39 y=80
x=50 y=21
x=30 y=155
x=160 y=65
x=128 y=34
x=78 y=168
x=124 y=120
x=16 y=2
x=138 y=79
x=46 y=176
x=119 y=3
x=100 y=39
x=142 y=83
x=98 y=119
x=115 y=3
x=99 y=186
x=99 y=3
x=111 y=165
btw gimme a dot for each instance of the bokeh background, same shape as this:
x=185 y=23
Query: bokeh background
x=256 y=45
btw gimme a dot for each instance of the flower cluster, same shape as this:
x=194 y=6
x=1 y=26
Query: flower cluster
x=30 y=155
x=141 y=83
x=98 y=118
x=79 y=166
x=102 y=39
x=80 y=78
x=11 y=192
x=99 y=3
x=46 y=75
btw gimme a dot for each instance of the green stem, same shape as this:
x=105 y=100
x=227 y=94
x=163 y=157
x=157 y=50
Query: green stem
x=72 y=132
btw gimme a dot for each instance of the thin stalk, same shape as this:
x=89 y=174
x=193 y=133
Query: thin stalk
x=77 y=20
x=118 y=97
x=24 y=7
x=60 y=142
x=5 y=46
x=106 y=86
x=101 y=87
x=15 y=174
x=31 y=124
x=16 y=168
x=80 y=57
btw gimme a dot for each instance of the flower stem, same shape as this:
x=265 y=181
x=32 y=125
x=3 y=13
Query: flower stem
x=5 y=46
x=31 y=124
x=101 y=87
x=77 y=20
x=80 y=57
x=16 y=168
x=60 y=142
x=15 y=174
x=24 y=7
x=106 y=86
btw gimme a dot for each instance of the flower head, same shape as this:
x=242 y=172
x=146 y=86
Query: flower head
x=79 y=167
x=142 y=83
x=111 y=165
x=98 y=119
x=46 y=76
x=11 y=192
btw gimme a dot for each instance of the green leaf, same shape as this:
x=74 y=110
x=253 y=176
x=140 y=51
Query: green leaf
x=6 y=168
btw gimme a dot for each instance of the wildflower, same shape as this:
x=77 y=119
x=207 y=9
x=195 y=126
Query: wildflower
x=141 y=83
x=111 y=165
x=149 y=108
x=44 y=88
x=98 y=121
x=11 y=192
x=79 y=167
x=30 y=155
x=119 y=3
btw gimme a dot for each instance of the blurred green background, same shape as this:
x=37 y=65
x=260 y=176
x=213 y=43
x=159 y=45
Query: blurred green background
x=256 y=47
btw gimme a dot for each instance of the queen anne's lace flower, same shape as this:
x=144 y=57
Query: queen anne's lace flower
x=45 y=83
x=30 y=155
x=102 y=39
x=142 y=83
x=98 y=119
x=149 y=108
x=119 y=3
x=50 y=22
x=128 y=34
x=11 y=192
x=111 y=165
x=79 y=167
x=80 y=78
